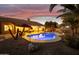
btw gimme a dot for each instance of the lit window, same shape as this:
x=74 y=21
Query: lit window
x=6 y=27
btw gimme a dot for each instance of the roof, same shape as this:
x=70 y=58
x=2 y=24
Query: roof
x=19 y=21
x=33 y=23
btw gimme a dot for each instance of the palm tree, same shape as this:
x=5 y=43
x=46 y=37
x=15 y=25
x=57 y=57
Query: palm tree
x=72 y=7
x=71 y=22
x=70 y=14
x=68 y=9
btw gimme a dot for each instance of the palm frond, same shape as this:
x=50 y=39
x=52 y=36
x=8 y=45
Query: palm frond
x=51 y=7
x=77 y=5
x=65 y=14
x=61 y=10
x=69 y=6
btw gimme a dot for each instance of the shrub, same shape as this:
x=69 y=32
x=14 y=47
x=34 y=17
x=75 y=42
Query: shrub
x=72 y=41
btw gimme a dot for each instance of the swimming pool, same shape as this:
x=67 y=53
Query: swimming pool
x=43 y=37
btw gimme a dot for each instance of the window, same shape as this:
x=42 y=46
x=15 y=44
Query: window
x=6 y=27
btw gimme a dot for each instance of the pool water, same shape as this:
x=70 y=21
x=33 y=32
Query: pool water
x=43 y=36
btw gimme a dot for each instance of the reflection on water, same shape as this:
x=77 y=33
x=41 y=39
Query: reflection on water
x=38 y=36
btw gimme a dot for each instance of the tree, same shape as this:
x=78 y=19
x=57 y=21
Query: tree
x=51 y=25
x=47 y=24
x=55 y=24
x=70 y=14
x=71 y=22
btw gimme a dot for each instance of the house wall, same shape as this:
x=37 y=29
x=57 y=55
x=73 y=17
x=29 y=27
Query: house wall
x=4 y=27
x=38 y=28
x=34 y=28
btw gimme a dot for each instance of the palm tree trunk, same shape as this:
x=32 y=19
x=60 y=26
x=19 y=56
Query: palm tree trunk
x=22 y=31
x=76 y=30
x=72 y=31
x=12 y=34
x=17 y=34
x=14 y=29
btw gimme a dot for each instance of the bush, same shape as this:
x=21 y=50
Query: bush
x=72 y=41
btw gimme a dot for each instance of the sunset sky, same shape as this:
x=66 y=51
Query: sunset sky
x=24 y=11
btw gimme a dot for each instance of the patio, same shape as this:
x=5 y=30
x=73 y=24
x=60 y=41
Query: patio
x=20 y=47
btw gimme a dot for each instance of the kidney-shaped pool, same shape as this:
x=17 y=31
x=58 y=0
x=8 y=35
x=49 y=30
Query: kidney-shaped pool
x=43 y=37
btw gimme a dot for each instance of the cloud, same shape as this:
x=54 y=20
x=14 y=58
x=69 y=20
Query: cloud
x=26 y=10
